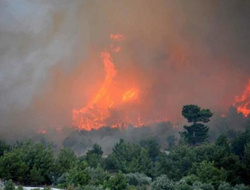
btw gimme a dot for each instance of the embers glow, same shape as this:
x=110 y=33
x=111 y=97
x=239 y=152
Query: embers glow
x=242 y=103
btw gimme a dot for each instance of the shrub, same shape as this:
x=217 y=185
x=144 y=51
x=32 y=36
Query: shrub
x=9 y=185
x=163 y=183
x=138 y=179
x=224 y=186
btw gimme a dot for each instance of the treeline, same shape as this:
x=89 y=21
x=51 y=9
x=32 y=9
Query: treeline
x=193 y=163
x=221 y=165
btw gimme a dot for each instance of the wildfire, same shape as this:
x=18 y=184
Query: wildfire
x=93 y=115
x=97 y=111
x=242 y=103
x=130 y=95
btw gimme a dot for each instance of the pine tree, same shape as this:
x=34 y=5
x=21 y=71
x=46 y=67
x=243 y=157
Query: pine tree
x=197 y=132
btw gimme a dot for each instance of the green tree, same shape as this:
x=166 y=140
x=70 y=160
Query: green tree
x=246 y=164
x=3 y=147
x=97 y=175
x=240 y=187
x=194 y=114
x=171 y=141
x=238 y=144
x=129 y=158
x=182 y=185
x=37 y=158
x=138 y=179
x=163 y=183
x=223 y=142
x=204 y=186
x=224 y=186
x=94 y=156
x=208 y=173
x=77 y=176
x=12 y=166
x=152 y=146
x=116 y=182
x=35 y=176
x=9 y=185
x=197 y=132
x=65 y=160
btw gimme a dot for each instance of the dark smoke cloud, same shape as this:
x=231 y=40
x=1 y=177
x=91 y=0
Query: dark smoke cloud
x=179 y=52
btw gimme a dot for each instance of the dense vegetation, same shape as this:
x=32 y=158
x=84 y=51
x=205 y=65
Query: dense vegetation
x=192 y=164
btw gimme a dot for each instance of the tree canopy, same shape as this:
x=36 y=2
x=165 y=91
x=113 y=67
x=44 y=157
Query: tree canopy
x=197 y=132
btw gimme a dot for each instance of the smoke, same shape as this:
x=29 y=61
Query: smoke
x=82 y=141
x=177 y=52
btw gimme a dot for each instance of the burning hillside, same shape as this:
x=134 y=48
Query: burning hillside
x=111 y=96
x=92 y=63
x=242 y=102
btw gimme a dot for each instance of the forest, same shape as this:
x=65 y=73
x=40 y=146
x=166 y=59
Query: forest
x=191 y=161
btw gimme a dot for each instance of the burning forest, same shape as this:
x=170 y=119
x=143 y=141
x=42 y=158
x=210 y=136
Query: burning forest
x=125 y=94
x=84 y=65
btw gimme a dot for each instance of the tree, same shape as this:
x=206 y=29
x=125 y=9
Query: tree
x=246 y=163
x=12 y=166
x=171 y=141
x=3 y=147
x=222 y=141
x=208 y=173
x=97 y=149
x=9 y=185
x=194 y=114
x=129 y=158
x=238 y=144
x=35 y=176
x=116 y=182
x=39 y=159
x=163 y=183
x=197 y=132
x=138 y=179
x=97 y=175
x=65 y=160
x=224 y=186
x=152 y=146
x=94 y=156
x=77 y=176
x=204 y=186
x=182 y=185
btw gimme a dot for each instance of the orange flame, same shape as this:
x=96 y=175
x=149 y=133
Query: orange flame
x=93 y=115
x=97 y=111
x=130 y=95
x=242 y=103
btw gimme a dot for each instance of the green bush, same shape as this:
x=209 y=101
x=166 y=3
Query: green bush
x=20 y=188
x=224 y=186
x=116 y=182
x=163 y=183
x=9 y=185
x=138 y=179
x=97 y=176
x=240 y=187
x=182 y=185
x=204 y=186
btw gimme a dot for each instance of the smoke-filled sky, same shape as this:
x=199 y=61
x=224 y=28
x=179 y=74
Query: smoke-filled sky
x=176 y=52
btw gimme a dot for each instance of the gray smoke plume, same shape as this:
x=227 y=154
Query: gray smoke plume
x=179 y=52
